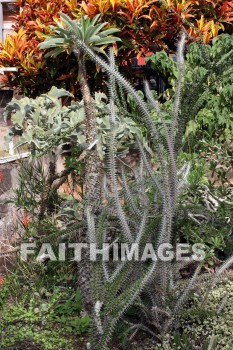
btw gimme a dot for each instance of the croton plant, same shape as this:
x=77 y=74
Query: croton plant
x=146 y=26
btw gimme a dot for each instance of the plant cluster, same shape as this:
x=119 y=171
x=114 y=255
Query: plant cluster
x=144 y=210
x=217 y=320
x=42 y=319
x=120 y=203
x=145 y=26
x=44 y=124
x=213 y=121
x=159 y=22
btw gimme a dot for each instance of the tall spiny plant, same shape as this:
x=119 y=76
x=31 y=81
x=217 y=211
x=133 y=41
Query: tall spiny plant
x=64 y=38
x=116 y=295
x=154 y=287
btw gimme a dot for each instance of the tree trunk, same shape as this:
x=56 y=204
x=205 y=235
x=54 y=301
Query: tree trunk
x=92 y=182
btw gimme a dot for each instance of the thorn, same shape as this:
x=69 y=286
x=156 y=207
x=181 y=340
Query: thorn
x=92 y=145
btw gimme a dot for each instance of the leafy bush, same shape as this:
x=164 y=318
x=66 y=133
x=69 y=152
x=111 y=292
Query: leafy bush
x=213 y=121
x=145 y=26
x=43 y=320
x=205 y=213
x=218 y=319
x=207 y=325
x=45 y=124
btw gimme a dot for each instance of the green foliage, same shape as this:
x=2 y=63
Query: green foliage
x=10 y=288
x=218 y=322
x=4 y=295
x=203 y=323
x=162 y=63
x=85 y=29
x=213 y=118
x=204 y=216
x=46 y=124
x=179 y=341
x=44 y=119
x=67 y=315
x=45 y=320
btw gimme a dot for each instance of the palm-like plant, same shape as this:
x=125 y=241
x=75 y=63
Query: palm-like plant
x=65 y=37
